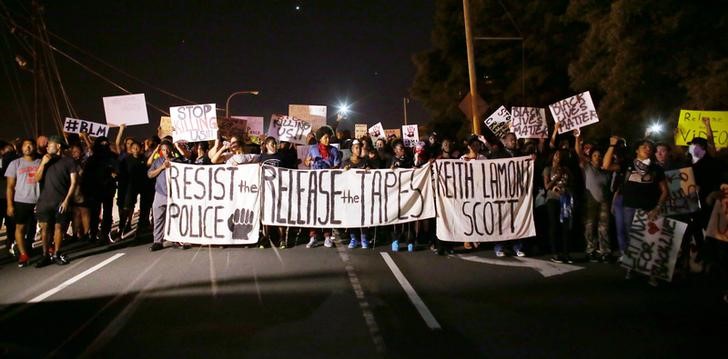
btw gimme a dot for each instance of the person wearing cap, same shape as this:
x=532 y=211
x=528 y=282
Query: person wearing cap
x=57 y=177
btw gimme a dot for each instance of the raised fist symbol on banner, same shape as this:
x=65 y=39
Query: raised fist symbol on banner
x=241 y=223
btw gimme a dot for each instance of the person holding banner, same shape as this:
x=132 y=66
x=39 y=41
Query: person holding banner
x=559 y=205
x=271 y=157
x=475 y=147
x=356 y=161
x=509 y=149
x=158 y=171
x=401 y=159
x=322 y=156
x=643 y=187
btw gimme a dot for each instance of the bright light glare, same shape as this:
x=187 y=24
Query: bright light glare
x=343 y=109
x=655 y=128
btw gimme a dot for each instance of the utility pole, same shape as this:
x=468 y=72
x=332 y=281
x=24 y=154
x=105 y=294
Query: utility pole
x=404 y=104
x=471 y=68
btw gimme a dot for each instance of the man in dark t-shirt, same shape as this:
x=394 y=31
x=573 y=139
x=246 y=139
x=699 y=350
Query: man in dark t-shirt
x=57 y=177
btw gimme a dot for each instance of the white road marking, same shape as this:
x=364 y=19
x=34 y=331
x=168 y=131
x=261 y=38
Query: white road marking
x=414 y=298
x=213 y=274
x=545 y=268
x=75 y=279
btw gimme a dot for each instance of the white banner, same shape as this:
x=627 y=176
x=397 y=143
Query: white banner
x=194 y=123
x=216 y=204
x=286 y=128
x=74 y=125
x=653 y=245
x=345 y=198
x=376 y=132
x=484 y=200
x=410 y=135
x=499 y=122
x=529 y=122
x=574 y=112
x=127 y=109
x=683 y=192
x=718 y=223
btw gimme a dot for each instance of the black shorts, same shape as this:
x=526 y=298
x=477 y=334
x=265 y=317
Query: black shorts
x=24 y=212
x=49 y=214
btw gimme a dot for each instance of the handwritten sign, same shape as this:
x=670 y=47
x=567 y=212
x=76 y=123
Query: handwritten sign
x=315 y=115
x=690 y=124
x=216 y=204
x=499 y=122
x=484 y=200
x=74 y=125
x=377 y=131
x=718 y=223
x=360 y=130
x=411 y=135
x=127 y=109
x=529 y=122
x=574 y=112
x=194 y=123
x=653 y=245
x=286 y=128
x=683 y=192
x=165 y=127
x=255 y=128
x=345 y=199
x=392 y=133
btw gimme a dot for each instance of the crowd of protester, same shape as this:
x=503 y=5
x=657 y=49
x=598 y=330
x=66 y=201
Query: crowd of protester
x=586 y=193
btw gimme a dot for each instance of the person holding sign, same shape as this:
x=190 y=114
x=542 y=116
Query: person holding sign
x=322 y=156
x=509 y=149
x=401 y=160
x=559 y=205
x=596 y=209
x=474 y=153
x=644 y=185
x=271 y=157
x=158 y=171
x=356 y=161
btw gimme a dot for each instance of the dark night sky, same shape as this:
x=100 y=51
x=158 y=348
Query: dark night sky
x=325 y=53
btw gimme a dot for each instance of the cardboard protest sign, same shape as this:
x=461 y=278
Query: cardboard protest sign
x=499 y=122
x=529 y=122
x=194 y=123
x=377 y=131
x=74 y=125
x=345 y=199
x=315 y=115
x=233 y=126
x=392 y=133
x=286 y=128
x=215 y=204
x=690 y=124
x=127 y=109
x=574 y=112
x=165 y=127
x=653 y=245
x=255 y=129
x=683 y=192
x=360 y=130
x=411 y=135
x=718 y=223
x=484 y=200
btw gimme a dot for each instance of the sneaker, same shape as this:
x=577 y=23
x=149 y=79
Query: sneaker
x=410 y=247
x=605 y=258
x=395 y=246
x=183 y=246
x=60 y=259
x=557 y=259
x=23 y=260
x=282 y=246
x=311 y=242
x=520 y=254
x=468 y=245
x=568 y=259
x=365 y=244
x=592 y=257
x=155 y=247
x=44 y=261
x=500 y=254
x=328 y=242
x=353 y=243
x=12 y=249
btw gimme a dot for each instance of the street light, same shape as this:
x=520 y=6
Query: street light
x=227 y=103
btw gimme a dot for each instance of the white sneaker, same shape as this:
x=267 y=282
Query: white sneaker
x=311 y=242
x=500 y=254
x=328 y=242
x=520 y=254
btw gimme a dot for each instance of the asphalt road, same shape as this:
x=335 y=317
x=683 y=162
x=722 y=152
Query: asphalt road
x=122 y=301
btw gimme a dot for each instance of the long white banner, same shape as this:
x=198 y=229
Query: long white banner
x=345 y=198
x=484 y=200
x=213 y=204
